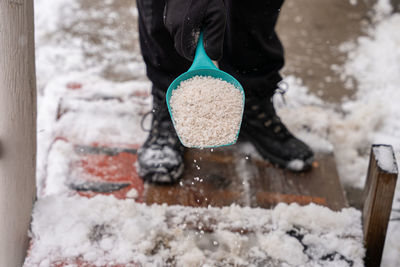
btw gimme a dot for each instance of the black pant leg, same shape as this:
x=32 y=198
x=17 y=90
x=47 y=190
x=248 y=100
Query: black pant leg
x=253 y=53
x=163 y=63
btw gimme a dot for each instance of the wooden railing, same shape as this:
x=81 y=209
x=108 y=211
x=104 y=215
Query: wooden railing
x=17 y=128
x=378 y=197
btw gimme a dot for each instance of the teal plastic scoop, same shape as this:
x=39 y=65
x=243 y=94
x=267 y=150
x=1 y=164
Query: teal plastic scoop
x=203 y=66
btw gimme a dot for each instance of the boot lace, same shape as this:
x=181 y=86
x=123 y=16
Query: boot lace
x=264 y=111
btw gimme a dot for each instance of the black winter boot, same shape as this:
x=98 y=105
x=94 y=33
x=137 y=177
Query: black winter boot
x=264 y=129
x=161 y=156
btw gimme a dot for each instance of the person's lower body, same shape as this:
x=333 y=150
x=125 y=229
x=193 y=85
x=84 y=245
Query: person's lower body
x=252 y=54
x=160 y=159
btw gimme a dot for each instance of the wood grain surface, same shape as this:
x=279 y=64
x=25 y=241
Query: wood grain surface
x=224 y=177
x=17 y=128
x=379 y=192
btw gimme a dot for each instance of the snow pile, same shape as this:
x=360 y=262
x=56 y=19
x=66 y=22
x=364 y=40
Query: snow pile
x=88 y=59
x=103 y=230
x=57 y=169
x=84 y=36
x=346 y=133
x=374 y=62
x=97 y=110
x=375 y=65
x=206 y=111
x=373 y=116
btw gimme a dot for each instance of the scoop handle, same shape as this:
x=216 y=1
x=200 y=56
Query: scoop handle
x=201 y=59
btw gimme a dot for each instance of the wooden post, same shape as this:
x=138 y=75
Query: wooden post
x=396 y=5
x=378 y=195
x=17 y=128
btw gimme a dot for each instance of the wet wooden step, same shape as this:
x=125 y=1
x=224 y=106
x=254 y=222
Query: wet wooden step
x=225 y=176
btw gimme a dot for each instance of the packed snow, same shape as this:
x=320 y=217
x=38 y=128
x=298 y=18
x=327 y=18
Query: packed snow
x=103 y=230
x=385 y=158
x=296 y=165
x=98 y=101
x=112 y=71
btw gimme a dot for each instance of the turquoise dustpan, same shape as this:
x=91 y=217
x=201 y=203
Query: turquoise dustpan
x=203 y=66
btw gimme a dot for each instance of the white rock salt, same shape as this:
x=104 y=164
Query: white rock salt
x=206 y=111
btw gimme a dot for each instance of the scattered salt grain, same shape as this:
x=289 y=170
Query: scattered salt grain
x=206 y=111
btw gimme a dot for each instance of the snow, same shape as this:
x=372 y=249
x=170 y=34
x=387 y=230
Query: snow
x=98 y=225
x=374 y=63
x=371 y=117
x=346 y=133
x=296 y=165
x=98 y=105
x=106 y=230
x=133 y=193
x=58 y=159
x=385 y=157
x=353 y=2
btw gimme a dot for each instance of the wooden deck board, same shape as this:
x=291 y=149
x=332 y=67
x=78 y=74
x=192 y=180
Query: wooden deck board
x=226 y=177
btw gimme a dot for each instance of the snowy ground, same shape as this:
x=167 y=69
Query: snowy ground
x=67 y=52
x=373 y=116
x=103 y=230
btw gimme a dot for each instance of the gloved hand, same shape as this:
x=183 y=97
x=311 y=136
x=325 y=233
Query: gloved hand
x=184 y=20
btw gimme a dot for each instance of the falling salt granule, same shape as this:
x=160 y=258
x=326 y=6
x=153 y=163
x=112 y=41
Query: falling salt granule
x=206 y=111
